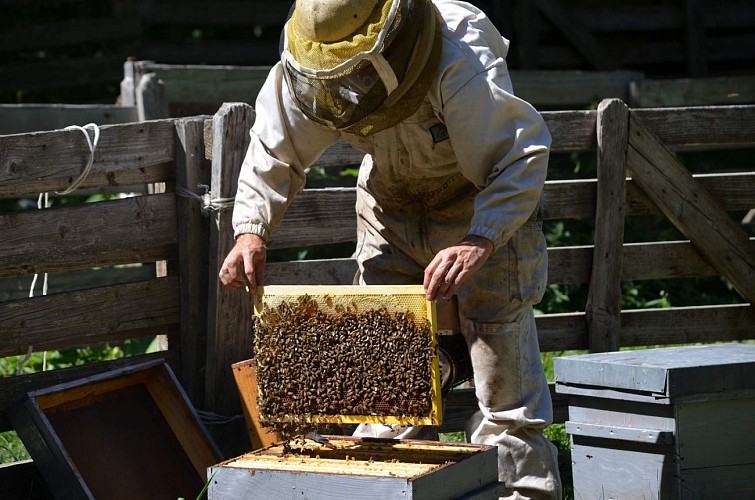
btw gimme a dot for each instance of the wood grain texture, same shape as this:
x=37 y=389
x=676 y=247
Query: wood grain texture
x=229 y=337
x=139 y=229
x=88 y=317
x=127 y=154
x=13 y=388
x=692 y=210
x=603 y=308
x=192 y=169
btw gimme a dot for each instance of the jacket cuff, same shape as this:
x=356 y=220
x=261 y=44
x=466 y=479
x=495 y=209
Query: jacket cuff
x=260 y=229
x=487 y=232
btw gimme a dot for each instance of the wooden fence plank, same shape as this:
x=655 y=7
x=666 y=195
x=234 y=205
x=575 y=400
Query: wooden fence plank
x=690 y=127
x=230 y=310
x=193 y=242
x=13 y=388
x=17 y=287
x=692 y=210
x=685 y=325
x=139 y=229
x=576 y=89
x=334 y=220
x=604 y=296
x=723 y=90
x=88 y=317
x=666 y=260
x=24 y=118
x=127 y=154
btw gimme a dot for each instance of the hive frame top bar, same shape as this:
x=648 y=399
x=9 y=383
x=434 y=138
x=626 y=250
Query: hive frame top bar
x=416 y=291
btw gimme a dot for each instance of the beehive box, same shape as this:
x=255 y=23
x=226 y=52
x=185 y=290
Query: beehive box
x=129 y=433
x=368 y=469
x=347 y=354
x=667 y=423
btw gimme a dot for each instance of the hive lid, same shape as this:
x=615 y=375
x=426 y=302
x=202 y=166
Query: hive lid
x=667 y=372
x=333 y=302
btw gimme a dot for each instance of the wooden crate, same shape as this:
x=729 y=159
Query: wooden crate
x=676 y=422
x=361 y=468
x=131 y=433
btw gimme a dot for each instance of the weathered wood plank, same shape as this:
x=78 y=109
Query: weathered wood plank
x=193 y=242
x=229 y=310
x=139 y=229
x=334 y=221
x=664 y=260
x=690 y=127
x=687 y=325
x=723 y=90
x=604 y=297
x=127 y=154
x=151 y=103
x=88 y=317
x=24 y=118
x=572 y=130
x=572 y=89
x=13 y=388
x=17 y=287
x=692 y=210
x=566 y=265
x=316 y=213
x=204 y=83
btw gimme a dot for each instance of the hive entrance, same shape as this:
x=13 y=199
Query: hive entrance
x=346 y=355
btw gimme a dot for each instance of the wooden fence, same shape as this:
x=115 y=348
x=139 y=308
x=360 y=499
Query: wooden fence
x=57 y=51
x=150 y=91
x=208 y=327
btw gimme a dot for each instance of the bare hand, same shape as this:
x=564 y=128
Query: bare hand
x=244 y=263
x=452 y=266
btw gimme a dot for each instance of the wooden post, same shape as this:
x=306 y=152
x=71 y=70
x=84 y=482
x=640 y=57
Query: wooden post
x=603 y=310
x=192 y=169
x=151 y=103
x=230 y=310
x=691 y=209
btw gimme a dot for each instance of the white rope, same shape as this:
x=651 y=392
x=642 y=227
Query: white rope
x=92 y=147
x=209 y=204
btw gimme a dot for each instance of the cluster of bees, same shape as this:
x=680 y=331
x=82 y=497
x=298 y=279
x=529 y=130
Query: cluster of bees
x=343 y=362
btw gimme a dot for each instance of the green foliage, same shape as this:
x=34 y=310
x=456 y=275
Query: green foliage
x=11 y=448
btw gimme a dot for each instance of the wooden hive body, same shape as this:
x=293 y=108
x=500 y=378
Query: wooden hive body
x=368 y=469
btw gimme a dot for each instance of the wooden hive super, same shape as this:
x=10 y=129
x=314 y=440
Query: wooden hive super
x=347 y=354
x=364 y=468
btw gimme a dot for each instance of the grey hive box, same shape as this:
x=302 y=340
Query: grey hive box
x=360 y=468
x=676 y=422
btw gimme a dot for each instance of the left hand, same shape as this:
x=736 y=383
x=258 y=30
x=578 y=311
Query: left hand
x=452 y=266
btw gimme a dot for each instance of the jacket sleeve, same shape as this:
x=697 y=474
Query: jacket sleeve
x=501 y=142
x=284 y=143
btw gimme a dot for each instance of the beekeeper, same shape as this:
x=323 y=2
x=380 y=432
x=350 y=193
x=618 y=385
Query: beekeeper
x=447 y=193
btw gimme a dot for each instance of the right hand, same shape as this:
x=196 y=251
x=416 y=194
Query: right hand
x=244 y=263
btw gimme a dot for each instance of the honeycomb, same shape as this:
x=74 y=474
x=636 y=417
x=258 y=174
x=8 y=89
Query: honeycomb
x=346 y=354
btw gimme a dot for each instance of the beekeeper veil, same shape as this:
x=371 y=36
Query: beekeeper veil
x=360 y=66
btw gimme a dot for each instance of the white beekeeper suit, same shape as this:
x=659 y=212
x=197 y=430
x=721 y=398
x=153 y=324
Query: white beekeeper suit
x=450 y=152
